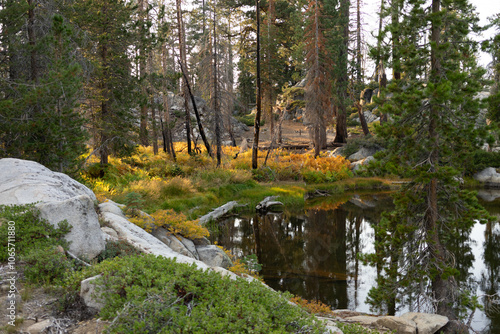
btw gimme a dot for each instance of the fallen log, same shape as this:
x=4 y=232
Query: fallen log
x=266 y=204
x=219 y=212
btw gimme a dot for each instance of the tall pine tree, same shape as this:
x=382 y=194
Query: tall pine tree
x=430 y=134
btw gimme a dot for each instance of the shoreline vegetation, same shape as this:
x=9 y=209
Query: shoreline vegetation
x=179 y=192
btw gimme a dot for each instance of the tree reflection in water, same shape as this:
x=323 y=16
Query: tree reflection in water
x=314 y=253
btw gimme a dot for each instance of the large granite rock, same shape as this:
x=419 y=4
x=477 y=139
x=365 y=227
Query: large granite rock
x=397 y=324
x=59 y=198
x=363 y=153
x=426 y=323
x=24 y=182
x=86 y=239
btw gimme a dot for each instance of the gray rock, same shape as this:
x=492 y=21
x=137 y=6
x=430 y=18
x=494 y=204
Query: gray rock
x=144 y=241
x=112 y=207
x=24 y=182
x=213 y=256
x=401 y=326
x=356 y=165
x=171 y=241
x=109 y=233
x=39 y=327
x=363 y=319
x=86 y=239
x=363 y=153
x=190 y=246
x=489 y=176
x=201 y=242
x=426 y=323
x=336 y=152
x=90 y=294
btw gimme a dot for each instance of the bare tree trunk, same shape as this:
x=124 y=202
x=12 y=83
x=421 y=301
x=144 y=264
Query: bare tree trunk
x=396 y=67
x=155 y=130
x=362 y=119
x=255 y=147
x=182 y=47
x=359 y=76
x=382 y=84
x=216 y=93
x=143 y=131
x=231 y=88
x=341 y=126
x=379 y=46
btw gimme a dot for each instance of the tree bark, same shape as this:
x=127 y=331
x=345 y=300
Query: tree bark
x=341 y=126
x=256 y=130
x=182 y=47
x=143 y=131
x=216 y=93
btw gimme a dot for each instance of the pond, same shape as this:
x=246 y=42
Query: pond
x=313 y=253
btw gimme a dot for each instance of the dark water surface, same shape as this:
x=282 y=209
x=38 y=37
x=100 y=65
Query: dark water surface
x=312 y=253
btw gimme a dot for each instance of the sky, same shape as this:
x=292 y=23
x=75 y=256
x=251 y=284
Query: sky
x=485 y=9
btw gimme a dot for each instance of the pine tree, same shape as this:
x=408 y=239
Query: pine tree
x=110 y=87
x=317 y=90
x=493 y=46
x=41 y=85
x=430 y=136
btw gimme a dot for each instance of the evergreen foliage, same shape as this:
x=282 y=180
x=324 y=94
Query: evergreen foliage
x=38 y=104
x=431 y=132
x=109 y=89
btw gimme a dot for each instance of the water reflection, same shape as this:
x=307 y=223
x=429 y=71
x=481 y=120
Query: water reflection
x=314 y=254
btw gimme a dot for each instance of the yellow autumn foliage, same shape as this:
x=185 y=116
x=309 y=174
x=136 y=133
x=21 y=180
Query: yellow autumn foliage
x=172 y=221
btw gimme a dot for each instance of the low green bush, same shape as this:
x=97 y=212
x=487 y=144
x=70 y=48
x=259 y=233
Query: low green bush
x=149 y=294
x=31 y=232
x=117 y=248
x=46 y=266
x=249 y=120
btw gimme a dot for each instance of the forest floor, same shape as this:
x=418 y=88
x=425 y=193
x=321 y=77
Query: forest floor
x=293 y=134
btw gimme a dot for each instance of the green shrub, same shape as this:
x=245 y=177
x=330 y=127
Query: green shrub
x=44 y=266
x=117 y=248
x=31 y=232
x=149 y=294
x=249 y=120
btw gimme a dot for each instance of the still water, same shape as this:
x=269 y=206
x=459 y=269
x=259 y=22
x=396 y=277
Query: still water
x=313 y=253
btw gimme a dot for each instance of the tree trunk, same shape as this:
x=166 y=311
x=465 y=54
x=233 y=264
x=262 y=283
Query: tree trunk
x=104 y=106
x=155 y=130
x=183 y=63
x=379 y=42
x=216 y=93
x=396 y=63
x=358 y=45
x=441 y=287
x=256 y=130
x=382 y=84
x=143 y=131
x=362 y=119
x=343 y=77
